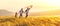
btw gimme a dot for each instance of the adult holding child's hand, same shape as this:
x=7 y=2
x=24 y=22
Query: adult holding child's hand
x=27 y=10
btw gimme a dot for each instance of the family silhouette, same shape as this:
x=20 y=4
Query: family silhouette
x=21 y=12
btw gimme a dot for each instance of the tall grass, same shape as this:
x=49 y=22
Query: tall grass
x=30 y=21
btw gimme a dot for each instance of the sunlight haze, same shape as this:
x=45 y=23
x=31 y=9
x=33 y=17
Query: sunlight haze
x=38 y=5
x=44 y=5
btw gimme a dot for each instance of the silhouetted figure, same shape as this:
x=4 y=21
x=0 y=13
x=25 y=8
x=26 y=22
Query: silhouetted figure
x=16 y=15
x=27 y=10
x=21 y=12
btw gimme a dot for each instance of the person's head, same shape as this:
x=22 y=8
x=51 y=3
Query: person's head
x=21 y=8
x=28 y=8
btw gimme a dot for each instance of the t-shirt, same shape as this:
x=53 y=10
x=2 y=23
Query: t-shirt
x=21 y=11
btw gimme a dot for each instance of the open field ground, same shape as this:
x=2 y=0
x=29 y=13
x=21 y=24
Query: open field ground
x=30 y=21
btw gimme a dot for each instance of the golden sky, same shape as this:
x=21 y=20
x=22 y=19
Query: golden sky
x=38 y=5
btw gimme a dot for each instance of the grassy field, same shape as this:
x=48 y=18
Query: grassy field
x=30 y=21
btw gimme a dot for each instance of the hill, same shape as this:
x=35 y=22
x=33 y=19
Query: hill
x=5 y=12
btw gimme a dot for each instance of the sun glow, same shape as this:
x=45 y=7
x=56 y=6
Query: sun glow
x=39 y=5
x=46 y=5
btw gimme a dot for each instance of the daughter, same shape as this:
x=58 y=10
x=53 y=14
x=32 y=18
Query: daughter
x=16 y=15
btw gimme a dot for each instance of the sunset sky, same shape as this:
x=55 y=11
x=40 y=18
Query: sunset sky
x=38 y=5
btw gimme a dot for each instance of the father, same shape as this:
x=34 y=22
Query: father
x=27 y=10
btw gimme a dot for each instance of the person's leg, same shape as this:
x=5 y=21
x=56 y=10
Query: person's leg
x=26 y=14
x=20 y=15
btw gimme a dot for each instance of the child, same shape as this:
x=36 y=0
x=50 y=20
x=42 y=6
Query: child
x=16 y=15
